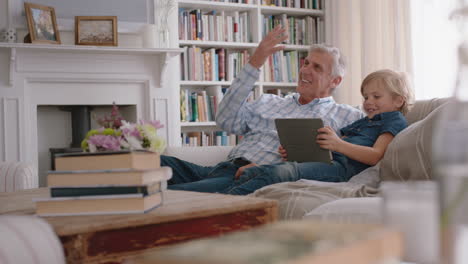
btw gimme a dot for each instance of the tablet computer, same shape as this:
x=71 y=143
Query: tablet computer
x=298 y=136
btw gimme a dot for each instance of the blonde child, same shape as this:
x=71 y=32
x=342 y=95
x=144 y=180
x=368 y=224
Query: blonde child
x=386 y=96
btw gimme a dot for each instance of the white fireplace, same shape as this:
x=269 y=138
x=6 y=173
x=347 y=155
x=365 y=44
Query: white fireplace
x=48 y=75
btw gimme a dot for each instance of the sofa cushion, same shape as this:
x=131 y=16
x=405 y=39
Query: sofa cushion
x=205 y=156
x=408 y=156
x=295 y=199
x=349 y=210
x=422 y=108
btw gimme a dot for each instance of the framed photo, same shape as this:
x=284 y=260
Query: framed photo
x=96 y=30
x=42 y=23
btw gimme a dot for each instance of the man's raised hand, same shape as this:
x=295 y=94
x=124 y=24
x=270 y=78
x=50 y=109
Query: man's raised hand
x=268 y=46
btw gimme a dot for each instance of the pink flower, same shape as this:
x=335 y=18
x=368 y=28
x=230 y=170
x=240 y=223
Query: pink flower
x=105 y=141
x=114 y=120
x=132 y=132
x=155 y=123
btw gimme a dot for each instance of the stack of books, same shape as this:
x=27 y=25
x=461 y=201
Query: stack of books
x=118 y=182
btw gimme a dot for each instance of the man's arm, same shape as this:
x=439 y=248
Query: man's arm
x=232 y=113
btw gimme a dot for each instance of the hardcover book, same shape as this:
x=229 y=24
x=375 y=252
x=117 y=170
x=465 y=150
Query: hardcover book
x=121 y=177
x=142 y=190
x=98 y=205
x=136 y=159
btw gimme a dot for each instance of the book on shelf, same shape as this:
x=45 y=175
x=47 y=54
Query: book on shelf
x=106 y=177
x=283 y=66
x=136 y=159
x=288 y=242
x=231 y=26
x=306 y=4
x=200 y=106
x=142 y=190
x=209 y=138
x=211 y=64
x=279 y=92
x=301 y=31
x=98 y=205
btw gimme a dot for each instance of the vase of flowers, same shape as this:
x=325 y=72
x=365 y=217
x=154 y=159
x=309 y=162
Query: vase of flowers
x=117 y=134
x=163 y=8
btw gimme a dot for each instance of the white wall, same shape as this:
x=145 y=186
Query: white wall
x=53 y=126
x=3 y=13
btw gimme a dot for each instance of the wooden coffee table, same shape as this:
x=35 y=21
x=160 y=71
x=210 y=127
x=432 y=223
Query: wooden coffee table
x=184 y=216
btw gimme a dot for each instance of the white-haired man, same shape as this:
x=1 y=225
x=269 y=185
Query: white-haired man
x=322 y=71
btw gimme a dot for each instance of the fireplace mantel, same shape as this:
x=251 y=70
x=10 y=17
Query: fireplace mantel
x=166 y=54
x=81 y=75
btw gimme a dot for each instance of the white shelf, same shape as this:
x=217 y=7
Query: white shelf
x=217 y=44
x=279 y=84
x=255 y=11
x=208 y=83
x=92 y=49
x=165 y=54
x=197 y=124
x=204 y=83
x=275 y=10
x=218 y=6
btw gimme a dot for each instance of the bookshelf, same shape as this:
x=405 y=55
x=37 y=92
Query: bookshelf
x=207 y=33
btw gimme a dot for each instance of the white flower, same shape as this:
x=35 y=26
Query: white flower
x=134 y=143
x=92 y=147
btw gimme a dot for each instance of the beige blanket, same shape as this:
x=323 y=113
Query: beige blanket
x=296 y=199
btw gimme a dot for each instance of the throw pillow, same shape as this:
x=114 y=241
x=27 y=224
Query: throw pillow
x=408 y=157
x=423 y=108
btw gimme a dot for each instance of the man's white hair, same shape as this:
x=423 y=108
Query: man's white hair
x=339 y=61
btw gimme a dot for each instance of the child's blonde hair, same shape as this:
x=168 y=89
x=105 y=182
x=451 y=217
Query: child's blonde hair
x=396 y=83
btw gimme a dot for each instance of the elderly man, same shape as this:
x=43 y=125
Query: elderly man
x=321 y=73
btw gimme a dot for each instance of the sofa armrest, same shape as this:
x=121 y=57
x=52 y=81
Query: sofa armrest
x=205 y=156
x=17 y=176
x=28 y=239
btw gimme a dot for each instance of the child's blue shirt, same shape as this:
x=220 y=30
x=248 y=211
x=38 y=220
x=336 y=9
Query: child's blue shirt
x=365 y=132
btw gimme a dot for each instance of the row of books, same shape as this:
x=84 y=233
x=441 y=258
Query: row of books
x=214 y=26
x=283 y=66
x=213 y=138
x=211 y=64
x=280 y=92
x=119 y=182
x=236 y=1
x=200 y=106
x=308 y=4
x=301 y=31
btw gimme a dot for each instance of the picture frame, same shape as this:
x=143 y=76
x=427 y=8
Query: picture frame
x=96 y=30
x=42 y=24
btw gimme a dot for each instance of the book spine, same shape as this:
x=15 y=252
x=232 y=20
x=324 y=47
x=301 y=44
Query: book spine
x=95 y=191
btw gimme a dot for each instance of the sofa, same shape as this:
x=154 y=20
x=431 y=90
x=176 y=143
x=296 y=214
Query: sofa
x=408 y=157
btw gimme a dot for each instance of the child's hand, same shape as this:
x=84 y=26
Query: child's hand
x=328 y=139
x=283 y=153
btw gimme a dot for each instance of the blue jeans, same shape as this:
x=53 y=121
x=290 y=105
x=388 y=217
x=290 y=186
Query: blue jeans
x=257 y=177
x=192 y=177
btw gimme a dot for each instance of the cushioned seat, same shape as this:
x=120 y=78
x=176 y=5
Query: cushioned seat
x=349 y=210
